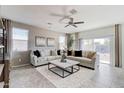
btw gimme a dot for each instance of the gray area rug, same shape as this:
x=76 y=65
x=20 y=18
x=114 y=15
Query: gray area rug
x=104 y=77
x=75 y=80
x=28 y=77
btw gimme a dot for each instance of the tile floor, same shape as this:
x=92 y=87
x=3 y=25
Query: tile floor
x=29 y=77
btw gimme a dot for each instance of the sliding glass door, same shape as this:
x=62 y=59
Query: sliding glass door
x=100 y=45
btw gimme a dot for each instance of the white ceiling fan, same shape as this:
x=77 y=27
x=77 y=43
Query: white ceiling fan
x=65 y=15
x=74 y=24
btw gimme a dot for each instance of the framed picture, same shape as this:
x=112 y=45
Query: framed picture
x=40 y=41
x=50 y=42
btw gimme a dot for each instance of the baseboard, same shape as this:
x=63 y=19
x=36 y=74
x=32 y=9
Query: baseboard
x=20 y=65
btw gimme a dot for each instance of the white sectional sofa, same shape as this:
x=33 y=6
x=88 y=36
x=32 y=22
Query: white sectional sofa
x=46 y=55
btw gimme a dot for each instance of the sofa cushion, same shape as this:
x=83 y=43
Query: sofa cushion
x=58 y=57
x=80 y=59
x=41 y=59
x=73 y=53
x=50 y=58
x=47 y=52
x=84 y=53
x=37 y=53
x=42 y=53
x=78 y=53
x=53 y=57
x=83 y=59
x=53 y=53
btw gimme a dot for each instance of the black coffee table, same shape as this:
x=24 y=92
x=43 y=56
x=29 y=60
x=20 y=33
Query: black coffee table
x=66 y=68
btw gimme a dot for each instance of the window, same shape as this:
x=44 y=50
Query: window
x=86 y=44
x=20 y=39
x=61 y=42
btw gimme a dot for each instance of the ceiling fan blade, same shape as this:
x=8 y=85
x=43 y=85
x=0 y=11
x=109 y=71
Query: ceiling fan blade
x=61 y=19
x=64 y=17
x=74 y=25
x=79 y=22
x=59 y=15
x=66 y=25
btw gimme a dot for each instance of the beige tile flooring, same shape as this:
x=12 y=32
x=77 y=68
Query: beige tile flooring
x=107 y=77
x=28 y=76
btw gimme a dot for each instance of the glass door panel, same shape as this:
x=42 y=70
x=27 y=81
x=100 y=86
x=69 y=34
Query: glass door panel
x=102 y=46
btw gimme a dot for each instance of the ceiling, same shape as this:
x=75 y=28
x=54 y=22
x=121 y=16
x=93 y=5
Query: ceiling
x=94 y=16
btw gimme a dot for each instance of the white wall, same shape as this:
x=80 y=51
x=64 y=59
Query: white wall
x=96 y=33
x=36 y=31
x=33 y=31
x=99 y=33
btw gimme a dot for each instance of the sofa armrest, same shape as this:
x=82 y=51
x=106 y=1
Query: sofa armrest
x=94 y=58
x=33 y=59
x=95 y=61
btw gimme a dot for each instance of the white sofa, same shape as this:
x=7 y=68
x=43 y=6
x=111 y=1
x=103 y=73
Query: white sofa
x=46 y=55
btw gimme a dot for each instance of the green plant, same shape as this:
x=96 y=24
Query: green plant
x=70 y=42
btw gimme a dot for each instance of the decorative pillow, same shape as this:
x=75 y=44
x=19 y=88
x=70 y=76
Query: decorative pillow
x=58 y=52
x=78 y=53
x=47 y=52
x=91 y=54
x=37 y=53
x=53 y=53
x=69 y=52
x=73 y=53
x=84 y=53
x=42 y=52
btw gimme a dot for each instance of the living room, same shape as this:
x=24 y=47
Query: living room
x=63 y=43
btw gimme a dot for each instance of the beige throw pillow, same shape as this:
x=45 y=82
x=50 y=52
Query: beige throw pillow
x=91 y=54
